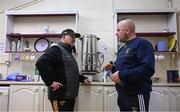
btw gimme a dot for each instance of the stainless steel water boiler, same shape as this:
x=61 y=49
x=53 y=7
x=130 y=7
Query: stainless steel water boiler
x=89 y=54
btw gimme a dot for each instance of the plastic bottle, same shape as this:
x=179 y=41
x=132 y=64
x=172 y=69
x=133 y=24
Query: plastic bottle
x=26 y=44
x=106 y=74
x=22 y=44
x=13 y=46
x=18 y=44
x=36 y=76
x=36 y=71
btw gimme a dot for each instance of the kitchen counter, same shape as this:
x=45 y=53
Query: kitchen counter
x=99 y=95
x=20 y=83
x=93 y=83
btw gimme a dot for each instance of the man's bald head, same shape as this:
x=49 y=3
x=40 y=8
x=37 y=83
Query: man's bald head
x=126 y=30
x=128 y=23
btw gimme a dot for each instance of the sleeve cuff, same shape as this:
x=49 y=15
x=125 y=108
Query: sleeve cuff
x=121 y=76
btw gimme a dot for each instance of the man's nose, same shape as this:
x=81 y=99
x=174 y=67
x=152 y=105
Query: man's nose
x=116 y=34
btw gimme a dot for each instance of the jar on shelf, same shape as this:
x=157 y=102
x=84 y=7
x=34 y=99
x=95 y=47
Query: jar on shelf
x=13 y=46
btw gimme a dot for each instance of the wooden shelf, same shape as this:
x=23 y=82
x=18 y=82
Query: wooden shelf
x=40 y=15
x=164 y=52
x=16 y=35
x=25 y=13
x=171 y=52
x=145 y=11
x=22 y=52
x=155 y=34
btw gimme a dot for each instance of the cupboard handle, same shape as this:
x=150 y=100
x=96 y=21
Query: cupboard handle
x=36 y=90
x=107 y=90
x=99 y=90
x=165 y=90
x=173 y=91
x=1 y=92
x=44 y=89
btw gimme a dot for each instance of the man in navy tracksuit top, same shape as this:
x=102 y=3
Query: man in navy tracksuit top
x=134 y=69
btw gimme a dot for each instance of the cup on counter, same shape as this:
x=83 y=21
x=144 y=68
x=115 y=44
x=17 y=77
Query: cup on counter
x=36 y=78
x=30 y=78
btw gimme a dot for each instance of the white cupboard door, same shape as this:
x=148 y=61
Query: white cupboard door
x=4 y=92
x=45 y=102
x=175 y=99
x=90 y=98
x=159 y=99
x=24 y=98
x=110 y=99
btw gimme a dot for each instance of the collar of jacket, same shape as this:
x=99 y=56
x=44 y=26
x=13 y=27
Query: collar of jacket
x=66 y=46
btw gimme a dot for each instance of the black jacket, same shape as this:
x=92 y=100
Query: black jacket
x=51 y=68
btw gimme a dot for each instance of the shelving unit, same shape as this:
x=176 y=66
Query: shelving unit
x=28 y=26
x=156 y=34
x=17 y=35
x=154 y=25
x=23 y=52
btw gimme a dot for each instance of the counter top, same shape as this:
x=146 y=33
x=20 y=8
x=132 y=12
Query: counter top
x=93 y=83
x=20 y=83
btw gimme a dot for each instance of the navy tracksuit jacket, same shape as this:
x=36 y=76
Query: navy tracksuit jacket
x=135 y=63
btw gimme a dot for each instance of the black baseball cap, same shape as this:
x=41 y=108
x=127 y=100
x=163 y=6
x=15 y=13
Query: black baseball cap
x=70 y=32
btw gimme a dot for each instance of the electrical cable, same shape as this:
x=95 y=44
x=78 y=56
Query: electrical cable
x=100 y=62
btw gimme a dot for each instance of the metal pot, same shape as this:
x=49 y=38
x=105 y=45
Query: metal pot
x=89 y=54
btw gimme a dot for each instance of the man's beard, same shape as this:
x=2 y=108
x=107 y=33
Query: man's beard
x=124 y=39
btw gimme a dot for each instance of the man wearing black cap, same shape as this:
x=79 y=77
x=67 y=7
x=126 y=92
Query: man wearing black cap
x=59 y=70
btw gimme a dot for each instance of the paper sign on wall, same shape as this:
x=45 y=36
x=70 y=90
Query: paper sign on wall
x=2 y=48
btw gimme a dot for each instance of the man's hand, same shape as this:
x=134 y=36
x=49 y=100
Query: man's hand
x=115 y=77
x=86 y=81
x=107 y=67
x=55 y=85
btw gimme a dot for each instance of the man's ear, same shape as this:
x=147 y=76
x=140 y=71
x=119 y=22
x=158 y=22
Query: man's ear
x=127 y=31
x=63 y=37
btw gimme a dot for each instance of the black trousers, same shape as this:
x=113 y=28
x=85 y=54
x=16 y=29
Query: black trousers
x=65 y=105
x=138 y=102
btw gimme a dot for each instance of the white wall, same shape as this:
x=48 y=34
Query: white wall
x=95 y=17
